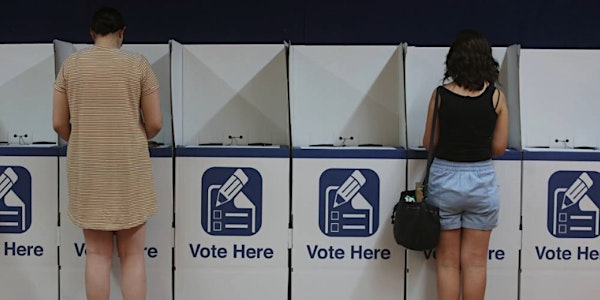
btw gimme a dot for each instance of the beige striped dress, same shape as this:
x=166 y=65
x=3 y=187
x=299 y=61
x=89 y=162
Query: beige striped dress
x=108 y=165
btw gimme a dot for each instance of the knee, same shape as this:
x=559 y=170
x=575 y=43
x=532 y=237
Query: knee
x=103 y=251
x=125 y=251
x=473 y=259
x=448 y=259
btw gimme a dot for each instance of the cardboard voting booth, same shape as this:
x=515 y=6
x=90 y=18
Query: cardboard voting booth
x=424 y=71
x=28 y=168
x=159 y=230
x=232 y=171
x=348 y=169
x=561 y=171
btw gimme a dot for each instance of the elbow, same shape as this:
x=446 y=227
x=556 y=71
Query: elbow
x=56 y=124
x=56 y=127
x=425 y=142
x=63 y=130
x=153 y=128
x=60 y=127
x=428 y=146
x=498 y=150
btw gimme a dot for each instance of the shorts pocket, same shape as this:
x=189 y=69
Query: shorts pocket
x=491 y=184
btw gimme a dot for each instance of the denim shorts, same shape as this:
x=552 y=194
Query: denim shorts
x=465 y=192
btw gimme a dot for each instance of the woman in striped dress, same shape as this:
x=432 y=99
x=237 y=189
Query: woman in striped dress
x=106 y=105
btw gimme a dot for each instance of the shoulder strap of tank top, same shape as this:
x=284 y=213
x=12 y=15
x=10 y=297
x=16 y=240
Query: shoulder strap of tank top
x=497 y=99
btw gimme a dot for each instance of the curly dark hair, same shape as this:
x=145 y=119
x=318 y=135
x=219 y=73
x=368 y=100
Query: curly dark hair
x=470 y=62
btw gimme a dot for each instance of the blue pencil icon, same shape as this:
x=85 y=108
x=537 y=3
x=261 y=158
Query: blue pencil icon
x=348 y=210
x=228 y=208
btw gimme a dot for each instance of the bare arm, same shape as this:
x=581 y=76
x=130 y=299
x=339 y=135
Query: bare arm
x=151 y=113
x=500 y=137
x=61 y=116
x=427 y=134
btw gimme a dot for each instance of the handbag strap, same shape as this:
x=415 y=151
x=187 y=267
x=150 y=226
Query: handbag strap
x=432 y=135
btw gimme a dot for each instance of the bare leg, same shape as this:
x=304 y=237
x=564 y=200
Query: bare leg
x=474 y=257
x=448 y=265
x=130 y=244
x=99 y=250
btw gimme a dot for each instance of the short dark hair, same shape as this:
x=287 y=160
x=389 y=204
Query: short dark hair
x=107 y=20
x=470 y=62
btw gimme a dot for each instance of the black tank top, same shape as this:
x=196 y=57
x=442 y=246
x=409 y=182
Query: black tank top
x=466 y=126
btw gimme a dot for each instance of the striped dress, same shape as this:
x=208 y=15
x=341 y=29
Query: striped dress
x=108 y=165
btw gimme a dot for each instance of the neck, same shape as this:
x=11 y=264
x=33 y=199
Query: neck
x=454 y=87
x=107 y=41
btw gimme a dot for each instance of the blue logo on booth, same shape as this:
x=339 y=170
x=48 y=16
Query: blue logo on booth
x=231 y=201
x=573 y=204
x=15 y=199
x=349 y=202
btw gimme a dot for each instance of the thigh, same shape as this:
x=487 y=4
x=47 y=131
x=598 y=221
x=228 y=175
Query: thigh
x=132 y=240
x=448 y=248
x=98 y=242
x=475 y=246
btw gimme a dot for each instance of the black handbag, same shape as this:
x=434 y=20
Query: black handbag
x=417 y=223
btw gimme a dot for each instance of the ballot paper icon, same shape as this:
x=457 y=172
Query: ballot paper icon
x=573 y=210
x=349 y=202
x=15 y=199
x=231 y=201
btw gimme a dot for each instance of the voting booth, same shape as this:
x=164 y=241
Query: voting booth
x=424 y=71
x=28 y=168
x=159 y=230
x=561 y=172
x=232 y=171
x=348 y=169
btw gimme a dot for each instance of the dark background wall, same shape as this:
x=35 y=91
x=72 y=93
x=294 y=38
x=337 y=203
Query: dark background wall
x=533 y=24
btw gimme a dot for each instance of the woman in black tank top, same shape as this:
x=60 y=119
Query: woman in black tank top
x=472 y=128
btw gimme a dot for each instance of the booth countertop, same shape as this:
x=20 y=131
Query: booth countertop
x=561 y=155
x=349 y=152
x=162 y=151
x=40 y=150
x=233 y=151
x=378 y=153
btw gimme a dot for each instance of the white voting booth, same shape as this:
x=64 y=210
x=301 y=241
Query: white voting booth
x=561 y=172
x=159 y=231
x=28 y=168
x=232 y=171
x=347 y=110
x=424 y=71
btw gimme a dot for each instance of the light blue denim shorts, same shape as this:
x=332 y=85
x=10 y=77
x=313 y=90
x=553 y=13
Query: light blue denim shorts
x=465 y=192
